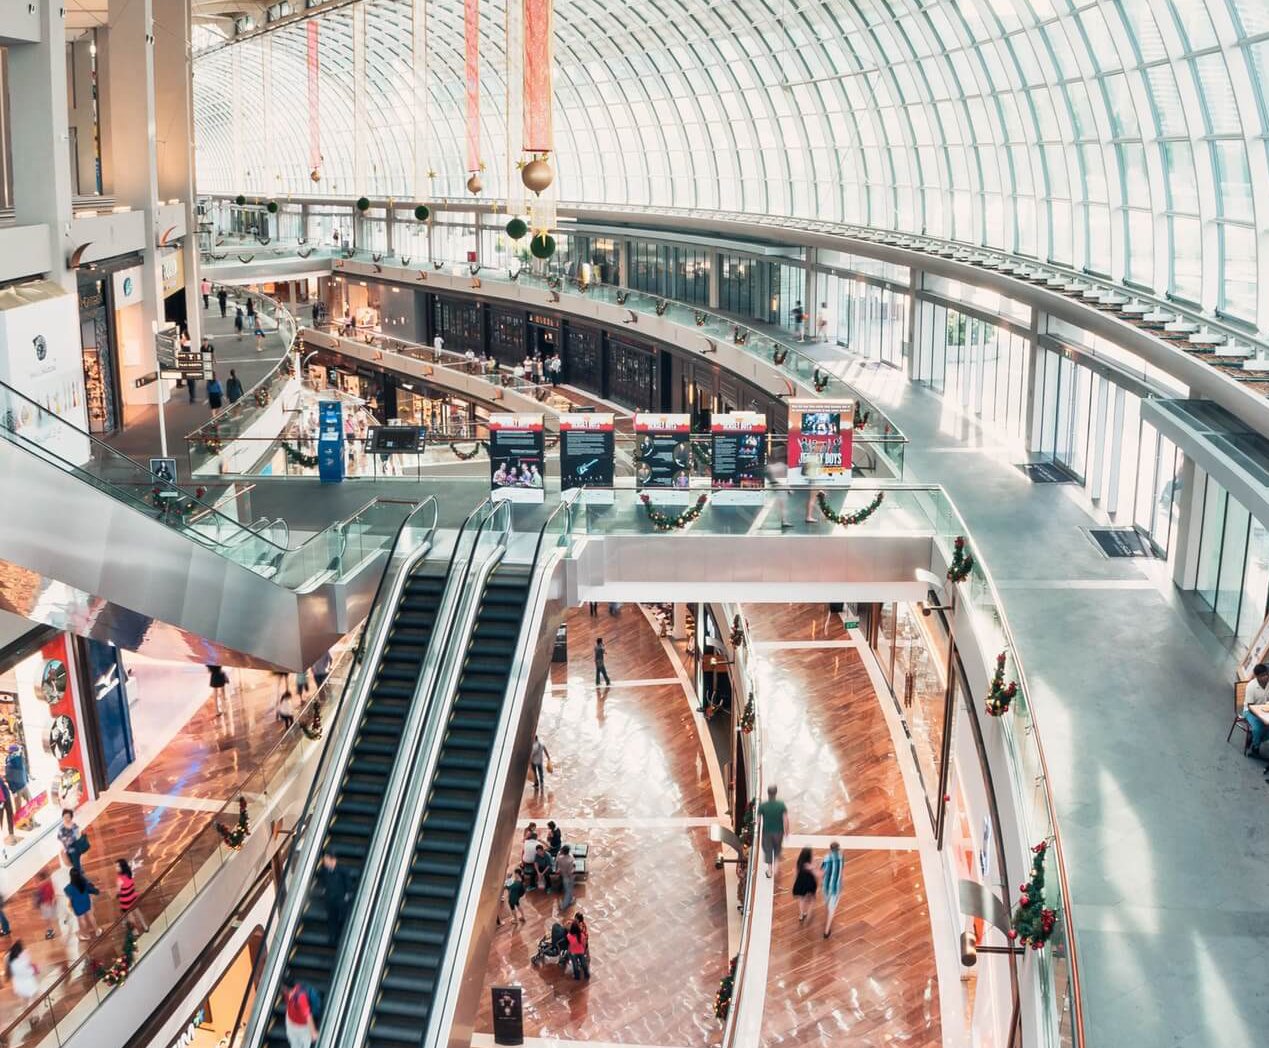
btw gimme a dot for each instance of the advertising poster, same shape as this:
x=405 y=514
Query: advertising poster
x=517 y=456
x=663 y=455
x=61 y=736
x=586 y=454
x=330 y=441
x=508 y=1014
x=820 y=442
x=740 y=456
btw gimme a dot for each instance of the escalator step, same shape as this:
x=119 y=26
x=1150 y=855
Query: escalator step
x=460 y=761
x=447 y=799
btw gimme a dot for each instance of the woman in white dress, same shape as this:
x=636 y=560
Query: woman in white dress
x=24 y=976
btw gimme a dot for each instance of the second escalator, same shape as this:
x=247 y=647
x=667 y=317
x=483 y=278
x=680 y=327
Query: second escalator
x=359 y=805
x=404 y=998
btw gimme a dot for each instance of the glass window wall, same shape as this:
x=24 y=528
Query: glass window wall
x=1232 y=576
x=675 y=271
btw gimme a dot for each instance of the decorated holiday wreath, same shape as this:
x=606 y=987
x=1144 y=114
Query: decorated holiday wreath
x=662 y=306
x=962 y=561
x=665 y=522
x=1000 y=695
x=236 y=836
x=1033 y=922
x=296 y=457
x=467 y=456
x=121 y=967
x=726 y=987
x=780 y=355
x=701 y=317
x=313 y=729
x=858 y=517
x=748 y=716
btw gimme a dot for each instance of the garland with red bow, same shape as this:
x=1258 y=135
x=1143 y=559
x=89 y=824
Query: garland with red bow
x=1033 y=922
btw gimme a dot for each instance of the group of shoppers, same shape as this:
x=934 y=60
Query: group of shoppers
x=809 y=877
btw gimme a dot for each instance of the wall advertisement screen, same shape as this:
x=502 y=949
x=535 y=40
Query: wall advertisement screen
x=663 y=454
x=517 y=457
x=739 y=465
x=586 y=454
x=821 y=434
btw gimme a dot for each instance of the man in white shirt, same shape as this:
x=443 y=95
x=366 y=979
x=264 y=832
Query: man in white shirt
x=1255 y=701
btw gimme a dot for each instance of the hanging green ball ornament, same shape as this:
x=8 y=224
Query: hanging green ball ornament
x=240 y=200
x=422 y=212
x=272 y=207
x=542 y=245
x=516 y=228
x=363 y=204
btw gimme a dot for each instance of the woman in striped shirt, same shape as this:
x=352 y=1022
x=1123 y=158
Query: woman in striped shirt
x=128 y=895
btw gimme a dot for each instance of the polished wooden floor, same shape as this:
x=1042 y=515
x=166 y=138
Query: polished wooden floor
x=630 y=780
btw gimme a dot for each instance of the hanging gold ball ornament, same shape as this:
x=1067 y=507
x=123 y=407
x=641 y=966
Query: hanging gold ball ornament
x=537 y=175
x=315 y=174
x=475 y=184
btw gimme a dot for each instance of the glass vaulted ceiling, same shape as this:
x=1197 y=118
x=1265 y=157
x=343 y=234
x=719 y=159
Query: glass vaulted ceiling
x=1128 y=137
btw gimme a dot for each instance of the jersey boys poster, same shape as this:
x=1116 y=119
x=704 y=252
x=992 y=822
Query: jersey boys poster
x=517 y=457
x=663 y=454
x=739 y=456
x=586 y=454
x=821 y=434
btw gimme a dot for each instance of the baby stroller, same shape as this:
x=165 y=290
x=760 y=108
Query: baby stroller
x=553 y=946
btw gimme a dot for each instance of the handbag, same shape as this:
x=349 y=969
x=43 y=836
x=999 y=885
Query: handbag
x=82 y=844
x=549 y=766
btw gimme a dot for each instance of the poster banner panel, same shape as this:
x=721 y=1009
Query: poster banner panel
x=587 y=454
x=330 y=441
x=517 y=457
x=663 y=454
x=821 y=434
x=738 y=471
x=508 y=1014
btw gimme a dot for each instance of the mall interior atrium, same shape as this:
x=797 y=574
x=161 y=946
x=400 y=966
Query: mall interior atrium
x=594 y=523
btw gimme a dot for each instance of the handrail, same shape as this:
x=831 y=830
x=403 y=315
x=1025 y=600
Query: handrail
x=260 y=983
x=226 y=810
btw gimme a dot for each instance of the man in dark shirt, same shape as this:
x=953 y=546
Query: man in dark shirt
x=337 y=886
x=600 y=669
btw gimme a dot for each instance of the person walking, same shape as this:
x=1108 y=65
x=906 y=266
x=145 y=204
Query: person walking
x=80 y=892
x=805 y=884
x=46 y=903
x=215 y=393
x=821 y=324
x=601 y=670
x=222 y=297
x=567 y=869
x=594 y=609
x=219 y=682
x=538 y=760
x=204 y=288
x=24 y=976
x=73 y=842
x=301 y=1027
x=301 y=685
x=286 y=710
x=125 y=882
x=514 y=887
x=799 y=321
x=774 y=817
x=577 y=944
x=240 y=323
x=251 y=309
x=233 y=387
x=337 y=887
x=321 y=669
x=831 y=882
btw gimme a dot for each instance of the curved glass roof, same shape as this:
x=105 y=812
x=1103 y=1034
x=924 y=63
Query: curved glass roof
x=1127 y=137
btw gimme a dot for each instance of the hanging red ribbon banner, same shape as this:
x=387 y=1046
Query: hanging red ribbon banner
x=314 y=114
x=538 y=134
x=471 y=26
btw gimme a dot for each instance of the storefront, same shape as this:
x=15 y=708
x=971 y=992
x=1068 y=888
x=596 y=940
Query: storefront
x=40 y=740
x=103 y=397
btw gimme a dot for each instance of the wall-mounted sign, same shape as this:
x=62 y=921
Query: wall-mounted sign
x=663 y=452
x=821 y=433
x=586 y=454
x=330 y=441
x=739 y=459
x=517 y=457
x=508 y=1014
x=397 y=440
x=127 y=287
x=53 y=681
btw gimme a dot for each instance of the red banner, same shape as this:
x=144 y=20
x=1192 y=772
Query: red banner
x=61 y=707
x=471 y=27
x=538 y=33
x=314 y=116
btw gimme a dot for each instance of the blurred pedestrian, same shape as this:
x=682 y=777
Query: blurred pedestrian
x=539 y=759
x=831 y=881
x=125 y=880
x=774 y=816
x=80 y=892
x=337 y=887
x=219 y=681
x=805 y=884
x=567 y=869
x=24 y=976
x=601 y=669
x=46 y=903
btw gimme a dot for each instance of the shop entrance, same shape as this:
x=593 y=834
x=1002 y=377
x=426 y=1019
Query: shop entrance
x=97 y=344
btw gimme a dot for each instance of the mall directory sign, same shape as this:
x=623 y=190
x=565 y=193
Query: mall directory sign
x=821 y=434
x=739 y=464
x=517 y=455
x=330 y=441
x=586 y=454
x=663 y=452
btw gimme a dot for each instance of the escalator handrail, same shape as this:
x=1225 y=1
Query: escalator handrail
x=336 y=743
x=369 y=914
x=451 y=963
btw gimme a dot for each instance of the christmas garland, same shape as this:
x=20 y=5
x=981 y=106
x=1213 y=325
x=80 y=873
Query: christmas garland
x=737 y=634
x=1000 y=695
x=746 y=828
x=701 y=318
x=780 y=355
x=1032 y=923
x=662 y=306
x=664 y=522
x=467 y=456
x=748 y=717
x=858 y=517
x=121 y=967
x=262 y=398
x=235 y=837
x=962 y=561
x=726 y=987
x=296 y=457
x=313 y=729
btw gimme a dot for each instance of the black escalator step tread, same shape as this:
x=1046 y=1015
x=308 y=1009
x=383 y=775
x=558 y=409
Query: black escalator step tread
x=434 y=822
x=389 y=1035
x=430 y=911
x=471 y=720
x=439 y=894
x=459 y=761
x=404 y=985
x=433 y=846
x=370 y=747
x=459 y=779
x=419 y=937
x=469 y=744
x=405 y=1010
x=449 y=799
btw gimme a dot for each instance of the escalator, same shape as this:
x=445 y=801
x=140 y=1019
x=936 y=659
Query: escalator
x=359 y=805
x=408 y=980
